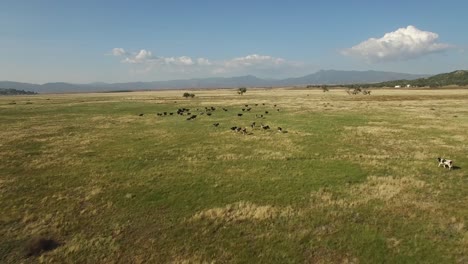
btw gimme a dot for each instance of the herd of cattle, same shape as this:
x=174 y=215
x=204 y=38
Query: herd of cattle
x=246 y=110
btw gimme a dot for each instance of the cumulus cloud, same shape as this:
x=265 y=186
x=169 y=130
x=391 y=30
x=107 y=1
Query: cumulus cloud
x=203 y=62
x=250 y=64
x=185 y=60
x=262 y=65
x=402 y=44
x=143 y=56
x=254 y=59
x=146 y=57
x=118 y=52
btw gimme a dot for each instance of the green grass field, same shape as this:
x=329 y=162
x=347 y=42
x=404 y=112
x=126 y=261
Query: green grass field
x=354 y=179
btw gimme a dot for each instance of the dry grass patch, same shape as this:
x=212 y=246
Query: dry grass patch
x=374 y=130
x=228 y=156
x=6 y=182
x=327 y=256
x=242 y=211
x=100 y=249
x=51 y=161
x=191 y=260
x=386 y=188
x=396 y=191
x=269 y=155
x=92 y=193
x=40 y=224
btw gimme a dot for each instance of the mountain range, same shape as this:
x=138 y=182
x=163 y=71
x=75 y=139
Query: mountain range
x=321 y=77
x=455 y=78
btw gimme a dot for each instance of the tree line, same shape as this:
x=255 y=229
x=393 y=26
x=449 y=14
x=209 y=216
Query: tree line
x=10 y=91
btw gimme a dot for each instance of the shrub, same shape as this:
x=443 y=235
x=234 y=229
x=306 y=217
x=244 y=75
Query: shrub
x=242 y=90
x=187 y=95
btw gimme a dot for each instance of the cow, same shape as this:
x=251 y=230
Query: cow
x=445 y=162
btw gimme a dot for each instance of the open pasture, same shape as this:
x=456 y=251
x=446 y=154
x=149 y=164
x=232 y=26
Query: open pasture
x=350 y=179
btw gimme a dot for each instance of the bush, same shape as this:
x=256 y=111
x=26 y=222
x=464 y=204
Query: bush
x=187 y=95
x=242 y=90
x=358 y=90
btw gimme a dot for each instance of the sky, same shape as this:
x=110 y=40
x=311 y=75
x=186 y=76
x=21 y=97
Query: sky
x=124 y=41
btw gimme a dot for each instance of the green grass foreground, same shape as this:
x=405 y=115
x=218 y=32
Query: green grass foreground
x=353 y=180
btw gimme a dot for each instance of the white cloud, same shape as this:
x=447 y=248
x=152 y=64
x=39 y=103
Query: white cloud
x=184 y=60
x=143 y=56
x=181 y=61
x=262 y=65
x=203 y=62
x=402 y=44
x=254 y=60
x=118 y=52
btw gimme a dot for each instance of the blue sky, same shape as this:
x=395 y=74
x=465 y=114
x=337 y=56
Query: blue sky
x=120 y=41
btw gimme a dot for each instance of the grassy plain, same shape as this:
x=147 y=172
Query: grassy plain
x=354 y=179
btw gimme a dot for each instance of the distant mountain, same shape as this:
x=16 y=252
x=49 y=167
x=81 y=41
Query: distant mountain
x=349 y=77
x=459 y=77
x=19 y=86
x=248 y=80
x=320 y=77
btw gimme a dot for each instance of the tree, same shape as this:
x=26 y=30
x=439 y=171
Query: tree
x=14 y=92
x=325 y=88
x=187 y=95
x=242 y=90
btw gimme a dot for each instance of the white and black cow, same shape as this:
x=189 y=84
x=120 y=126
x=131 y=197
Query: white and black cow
x=445 y=162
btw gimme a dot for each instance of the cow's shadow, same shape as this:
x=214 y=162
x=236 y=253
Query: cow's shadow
x=456 y=168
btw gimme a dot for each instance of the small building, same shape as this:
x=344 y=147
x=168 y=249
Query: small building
x=408 y=85
x=397 y=86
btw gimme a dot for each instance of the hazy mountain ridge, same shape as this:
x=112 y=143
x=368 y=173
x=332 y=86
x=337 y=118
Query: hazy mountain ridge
x=459 y=77
x=349 y=77
x=320 y=77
